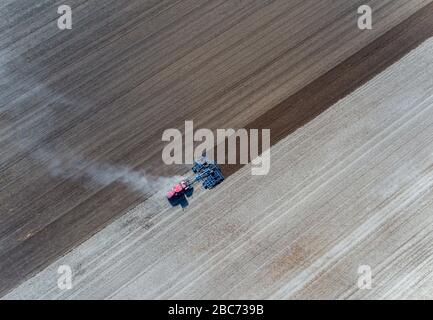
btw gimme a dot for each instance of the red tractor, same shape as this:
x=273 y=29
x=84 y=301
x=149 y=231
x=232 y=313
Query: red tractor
x=178 y=189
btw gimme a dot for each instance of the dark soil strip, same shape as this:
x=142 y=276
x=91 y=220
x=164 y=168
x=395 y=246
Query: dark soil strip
x=308 y=103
